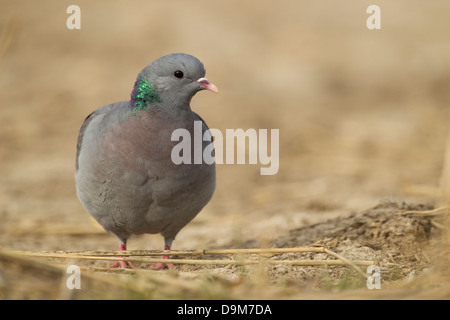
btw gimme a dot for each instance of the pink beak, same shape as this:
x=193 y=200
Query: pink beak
x=207 y=85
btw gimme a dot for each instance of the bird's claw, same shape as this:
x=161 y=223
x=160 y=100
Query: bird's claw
x=160 y=266
x=124 y=265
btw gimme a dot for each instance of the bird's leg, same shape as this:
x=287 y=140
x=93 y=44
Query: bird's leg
x=121 y=263
x=161 y=265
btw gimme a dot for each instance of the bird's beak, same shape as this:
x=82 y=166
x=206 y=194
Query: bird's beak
x=207 y=85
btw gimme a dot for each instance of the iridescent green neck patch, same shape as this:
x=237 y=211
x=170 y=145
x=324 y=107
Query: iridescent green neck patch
x=143 y=94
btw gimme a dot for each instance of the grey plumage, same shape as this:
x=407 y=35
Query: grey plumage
x=125 y=177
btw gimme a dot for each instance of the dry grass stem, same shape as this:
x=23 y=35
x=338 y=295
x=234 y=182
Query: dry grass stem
x=58 y=254
x=346 y=261
x=140 y=256
x=441 y=210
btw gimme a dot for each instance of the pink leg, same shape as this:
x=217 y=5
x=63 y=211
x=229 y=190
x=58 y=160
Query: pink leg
x=161 y=265
x=123 y=264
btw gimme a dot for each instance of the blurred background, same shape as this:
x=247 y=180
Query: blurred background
x=362 y=114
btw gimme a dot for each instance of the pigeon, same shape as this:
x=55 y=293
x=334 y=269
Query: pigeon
x=125 y=176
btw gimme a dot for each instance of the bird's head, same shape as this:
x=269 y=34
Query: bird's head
x=170 y=81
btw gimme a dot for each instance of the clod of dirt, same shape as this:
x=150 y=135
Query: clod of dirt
x=397 y=241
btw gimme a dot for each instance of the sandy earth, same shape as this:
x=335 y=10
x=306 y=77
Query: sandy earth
x=362 y=116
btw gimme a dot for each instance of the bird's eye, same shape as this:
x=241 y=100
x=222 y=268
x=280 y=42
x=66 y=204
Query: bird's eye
x=178 y=74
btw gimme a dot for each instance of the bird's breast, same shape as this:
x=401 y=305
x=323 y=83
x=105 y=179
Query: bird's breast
x=140 y=148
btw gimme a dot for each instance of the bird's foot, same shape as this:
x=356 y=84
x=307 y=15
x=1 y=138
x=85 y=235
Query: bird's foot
x=124 y=265
x=160 y=266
